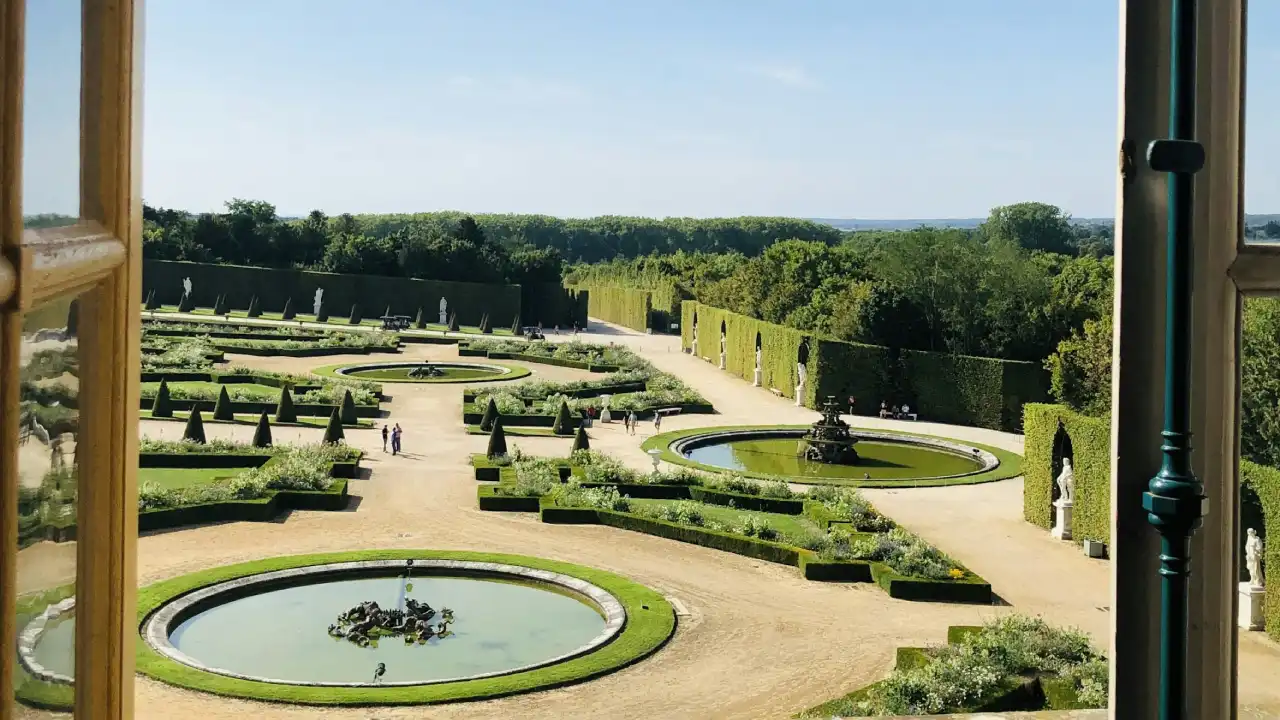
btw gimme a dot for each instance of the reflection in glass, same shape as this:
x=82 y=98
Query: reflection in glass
x=51 y=115
x=1261 y=140
x=47 y=462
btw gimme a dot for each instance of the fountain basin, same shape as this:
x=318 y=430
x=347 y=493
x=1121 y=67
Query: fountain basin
x=520 y=624
x=451 y=372
x=886 y=459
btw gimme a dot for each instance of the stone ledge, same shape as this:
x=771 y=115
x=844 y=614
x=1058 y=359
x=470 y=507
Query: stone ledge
x=30 y=637
x=158 y=625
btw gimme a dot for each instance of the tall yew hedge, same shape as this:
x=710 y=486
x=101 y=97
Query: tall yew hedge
x=1264 y=482
x=958 y=389
x=619 y=305
x=1090 y=460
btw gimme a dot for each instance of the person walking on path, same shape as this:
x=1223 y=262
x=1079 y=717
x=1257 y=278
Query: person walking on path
x=385 y=432
x=657 y=422
x=632 y=416
x=626 y=423
x=395 y=439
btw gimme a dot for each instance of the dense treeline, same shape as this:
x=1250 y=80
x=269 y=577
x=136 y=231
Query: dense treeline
x=1013 y=288
x=447 y=245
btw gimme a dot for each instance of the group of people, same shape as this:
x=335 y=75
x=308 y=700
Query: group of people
x=394 y=434
x=630 y=421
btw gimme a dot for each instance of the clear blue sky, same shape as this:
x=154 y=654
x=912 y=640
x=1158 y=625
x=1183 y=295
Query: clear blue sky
x=819 y=108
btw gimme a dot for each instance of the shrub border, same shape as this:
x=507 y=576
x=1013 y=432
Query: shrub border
x=1010 y=463
x=651 y=621
x=331 y=371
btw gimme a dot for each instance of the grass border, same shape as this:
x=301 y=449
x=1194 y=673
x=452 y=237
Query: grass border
x=1010 y=463
x=517 y=372
x=651 y=621
x=519 y=431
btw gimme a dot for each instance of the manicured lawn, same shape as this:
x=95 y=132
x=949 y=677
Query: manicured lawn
x=261 y=392
x=177 y=478
x=520 y=431
x=785 y=524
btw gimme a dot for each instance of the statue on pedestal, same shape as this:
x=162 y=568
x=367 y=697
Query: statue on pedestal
x=315 y=304
x=1067 y=482
x=186 y=286
x=724 y=342
x=444 y=316
x=1253 y=559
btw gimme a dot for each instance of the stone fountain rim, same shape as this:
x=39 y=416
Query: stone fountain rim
x=987 y=460
x=158 y=625
x=502 y=372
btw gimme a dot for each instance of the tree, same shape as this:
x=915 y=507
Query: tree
x=564 y=422
x=580 y=441
x=162 y=406
x=194 y=432
x=220 y=305
x=1031 y=225
x=1080 y=370
x=1271 y=229
x=222 y=409
x=355 y=315
x=333 y=431
x=497 y=441
x=284 y=409
x=288 y=313
x=255 y=308
x=490 y=415
x=348 y=406
x=262 y=435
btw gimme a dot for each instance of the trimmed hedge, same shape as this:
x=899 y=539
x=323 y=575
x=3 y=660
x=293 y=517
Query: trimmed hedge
x=259 y=510
x=621 y=306
x=956 y=389
x=1090 y=443
x=1263 y=483
x=465 y=350
x=268 y=351
x=276 y=286
x=550 y=304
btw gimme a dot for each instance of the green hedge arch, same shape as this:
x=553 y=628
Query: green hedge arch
x=650 y=623
x=1090 y=442
x=1010 y=463
x=517 y=372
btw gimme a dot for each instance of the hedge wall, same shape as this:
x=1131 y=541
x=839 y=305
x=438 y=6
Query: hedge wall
x=274 y=286
x=1090 y=451
x=779 y=347
x=621 y=306
x=551 y=304
x=957 y=389
x=1263 y=484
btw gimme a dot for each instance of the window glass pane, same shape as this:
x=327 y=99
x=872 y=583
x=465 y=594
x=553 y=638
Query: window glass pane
x=47 y=501
x=51 y=114
x=1262 y=141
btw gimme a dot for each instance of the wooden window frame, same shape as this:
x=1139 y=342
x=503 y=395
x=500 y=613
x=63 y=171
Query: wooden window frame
x=100 y=259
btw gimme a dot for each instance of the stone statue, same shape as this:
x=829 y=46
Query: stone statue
x=1253 y=558
x=724 y=341
x=444 y=310
x=186 y=286
x=802 y=374
x=315 y=305
x=757 y=358
x=1067 y=482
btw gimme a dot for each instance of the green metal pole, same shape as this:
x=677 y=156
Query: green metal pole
x=1174 y=500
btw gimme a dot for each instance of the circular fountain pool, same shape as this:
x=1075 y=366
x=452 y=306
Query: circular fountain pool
x=884 y=459
x=517 y=626
x=426 y=372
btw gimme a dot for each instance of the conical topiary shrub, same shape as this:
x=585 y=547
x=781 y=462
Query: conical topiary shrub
x=161 y=406
x=194 y=431
x=490 y=415
x=220 y=305
x=333 y=431
x=564 y=422
x=150 y=303
x=323 y=315
x=453 y=322
x=580 y=441
x=284 y=409
x=222 y=409
x=515 y=326
x=387 y=313
x=186 y=304
x=355 y=315
x=484 y=324
x=497 y=440
x=288 y=313
x=348 y=406
x=73 y=319
x=262 y=435
x=420 y=321
x=255 y=307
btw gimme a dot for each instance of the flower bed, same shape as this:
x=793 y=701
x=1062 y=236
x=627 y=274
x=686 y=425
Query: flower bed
x=253 y=391
x=832 y=534
x=1012 y=663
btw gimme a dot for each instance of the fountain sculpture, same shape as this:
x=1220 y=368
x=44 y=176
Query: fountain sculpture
x=366 y=622
x=426 y=370
x=829 y=439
